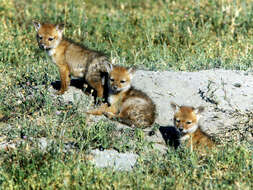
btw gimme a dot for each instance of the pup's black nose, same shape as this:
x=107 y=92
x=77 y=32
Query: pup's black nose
x=114 y=87
x=180 y=129
x=42 y=46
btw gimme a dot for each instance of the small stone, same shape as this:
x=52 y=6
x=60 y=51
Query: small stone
x=151 y=133
x=114 y=159
x=57 y=112
x=101 y=148
x=43 y=143
x=249 y=137
x=238 y=85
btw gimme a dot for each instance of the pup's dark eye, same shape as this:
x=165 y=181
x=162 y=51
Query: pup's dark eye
x=111 y=79
x=40 y=37
x=122 y=81
x=188 y=122
x=177 y=120
x=50 y=39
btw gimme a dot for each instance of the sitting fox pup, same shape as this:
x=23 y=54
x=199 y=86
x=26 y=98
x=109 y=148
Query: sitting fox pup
x=128 y=105
x=186 y=120
x=72 y=59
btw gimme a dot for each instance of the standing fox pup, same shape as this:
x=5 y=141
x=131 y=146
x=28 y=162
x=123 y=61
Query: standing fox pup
x=128 y=105
x=72 y=59
x=186 y=120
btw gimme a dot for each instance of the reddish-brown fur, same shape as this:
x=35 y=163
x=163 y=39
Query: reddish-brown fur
x=186 y=120
x=72 y=59
x=130 y=106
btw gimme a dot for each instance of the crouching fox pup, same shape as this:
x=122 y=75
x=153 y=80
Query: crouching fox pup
x=126 y=104
x=71 y=58
x=186 y=120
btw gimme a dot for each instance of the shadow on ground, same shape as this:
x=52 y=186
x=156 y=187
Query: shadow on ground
x=170 y=135
x=83 y=85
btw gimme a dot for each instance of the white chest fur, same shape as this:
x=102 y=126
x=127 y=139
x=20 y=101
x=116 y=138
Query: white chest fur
x=51 y=53
x=184 y=138
x=111 y=99
x=192 y=129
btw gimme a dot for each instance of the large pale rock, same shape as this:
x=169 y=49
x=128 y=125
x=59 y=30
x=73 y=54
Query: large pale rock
x=114 y=159
x=227 y=96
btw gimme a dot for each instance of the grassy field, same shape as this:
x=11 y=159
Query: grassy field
x=185 y=35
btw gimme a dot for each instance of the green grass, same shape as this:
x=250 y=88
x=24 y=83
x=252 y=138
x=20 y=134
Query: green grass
x=183 y=35
x=230 y=169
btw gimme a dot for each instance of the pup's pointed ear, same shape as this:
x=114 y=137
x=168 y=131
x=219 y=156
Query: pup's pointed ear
x=131 y=72
x=37 y=25
x=174 y=106
x=199 y=110
x=60 y=28
x=109 y=67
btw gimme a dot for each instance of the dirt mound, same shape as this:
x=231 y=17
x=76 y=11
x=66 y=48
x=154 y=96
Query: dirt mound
x=226 y=95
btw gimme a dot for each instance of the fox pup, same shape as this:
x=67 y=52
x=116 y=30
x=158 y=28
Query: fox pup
x=128 y=105
x=186 y=120
x=72 y=59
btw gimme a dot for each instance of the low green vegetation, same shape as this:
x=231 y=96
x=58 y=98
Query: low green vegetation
x=229 y=169
x=186 y=35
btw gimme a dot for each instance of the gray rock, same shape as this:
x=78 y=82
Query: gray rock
x=43 y=143
x=113 y=159
x=196 y=88
x=226 y=95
